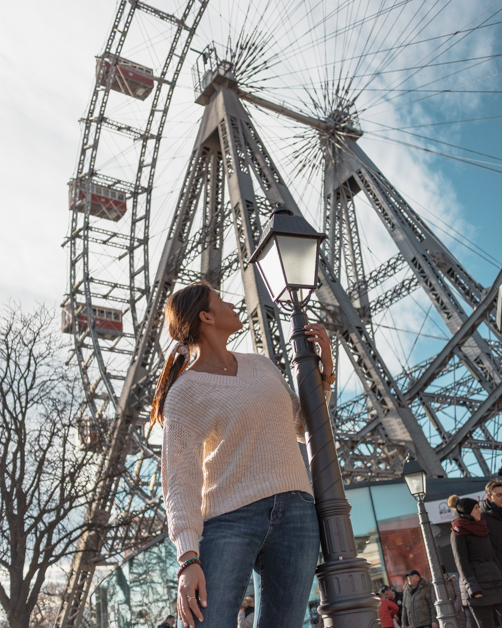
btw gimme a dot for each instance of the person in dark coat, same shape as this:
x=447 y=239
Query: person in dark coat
x=477 y=564
x=491 y=512
x=418 y=605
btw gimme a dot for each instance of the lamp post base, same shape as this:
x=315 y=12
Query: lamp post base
x=347 y=599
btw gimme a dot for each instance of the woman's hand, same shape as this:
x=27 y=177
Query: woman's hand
x=317 y=333
x=191 y=580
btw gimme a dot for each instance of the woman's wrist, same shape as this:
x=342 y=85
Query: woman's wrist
x=327 y=367
x=188 y=563
x=187 y=556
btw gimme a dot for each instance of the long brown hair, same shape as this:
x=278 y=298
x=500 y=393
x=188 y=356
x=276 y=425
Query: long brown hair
x=181 y=317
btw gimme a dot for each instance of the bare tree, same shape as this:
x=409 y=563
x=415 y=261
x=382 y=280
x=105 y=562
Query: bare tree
x=46 y=481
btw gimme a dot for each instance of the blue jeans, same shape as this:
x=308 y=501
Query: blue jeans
x=278 y=537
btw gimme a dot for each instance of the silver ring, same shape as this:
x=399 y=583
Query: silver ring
x=190 y=598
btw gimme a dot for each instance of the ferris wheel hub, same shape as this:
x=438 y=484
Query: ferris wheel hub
x=345 y=119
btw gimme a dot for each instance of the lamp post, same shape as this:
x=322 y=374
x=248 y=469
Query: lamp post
x=287 y=257
x=416 y=479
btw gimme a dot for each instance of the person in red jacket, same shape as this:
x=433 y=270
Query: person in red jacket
x=387 y=611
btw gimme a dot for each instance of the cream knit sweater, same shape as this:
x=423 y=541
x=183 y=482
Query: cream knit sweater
x=228 y=441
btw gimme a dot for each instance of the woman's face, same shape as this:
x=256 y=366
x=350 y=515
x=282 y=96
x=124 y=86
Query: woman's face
x=476 y=512
x=223 y=315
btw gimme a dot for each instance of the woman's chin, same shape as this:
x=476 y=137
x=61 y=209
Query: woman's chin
x=238 y=326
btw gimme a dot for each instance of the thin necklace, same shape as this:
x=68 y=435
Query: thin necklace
x=215 y=365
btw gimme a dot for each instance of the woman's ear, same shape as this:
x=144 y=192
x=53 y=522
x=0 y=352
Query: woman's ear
x=205 y=317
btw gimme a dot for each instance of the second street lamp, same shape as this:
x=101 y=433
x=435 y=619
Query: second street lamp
x=416 y=480
x=287 y=257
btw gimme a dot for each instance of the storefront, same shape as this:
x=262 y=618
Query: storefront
x=385 y=521
x=141 y=591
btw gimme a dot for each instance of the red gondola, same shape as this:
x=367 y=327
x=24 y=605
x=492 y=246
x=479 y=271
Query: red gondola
x=107 y=321
x=130 y=78
x=105 y=202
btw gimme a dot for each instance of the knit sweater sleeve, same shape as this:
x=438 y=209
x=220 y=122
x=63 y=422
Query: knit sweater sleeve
x=182 y=480
x=299 y=417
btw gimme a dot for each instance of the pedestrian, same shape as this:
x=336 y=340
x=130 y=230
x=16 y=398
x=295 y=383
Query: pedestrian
x=418 y=606
x=394 y=596
x=453 y=591
x=168 y=622
x=491 y=512
x=387 y=612
x=235 y=485
x=477 y=564
x=245 y=618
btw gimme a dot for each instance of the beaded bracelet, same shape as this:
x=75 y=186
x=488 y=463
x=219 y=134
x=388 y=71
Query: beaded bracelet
x=186 y=564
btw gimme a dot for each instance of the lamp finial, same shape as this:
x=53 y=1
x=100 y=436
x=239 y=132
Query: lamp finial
x=281 y=209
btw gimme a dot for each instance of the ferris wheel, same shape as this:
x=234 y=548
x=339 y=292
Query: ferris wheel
x=201 y=118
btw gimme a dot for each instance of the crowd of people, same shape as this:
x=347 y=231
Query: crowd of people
x=476 y=594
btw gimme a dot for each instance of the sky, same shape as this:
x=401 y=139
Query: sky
x=47 y=69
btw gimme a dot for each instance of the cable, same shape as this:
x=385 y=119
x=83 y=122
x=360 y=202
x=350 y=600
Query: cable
x=456 y=42
x=417 y=126
x=470 y=162
x=431 y=139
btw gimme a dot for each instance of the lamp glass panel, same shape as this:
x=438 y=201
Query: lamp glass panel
x=416 y=483
x=270 y=267
x=299 y=258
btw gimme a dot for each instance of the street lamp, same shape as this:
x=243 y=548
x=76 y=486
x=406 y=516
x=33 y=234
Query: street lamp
x=287 y=257
x=416 y=479
x=499 y=309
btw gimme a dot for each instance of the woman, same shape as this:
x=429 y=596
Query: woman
x=233 y=474
x=477 y=565
x=246 y=614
